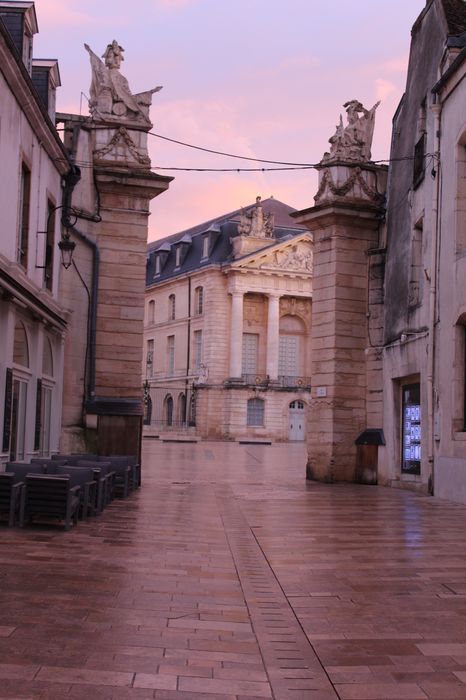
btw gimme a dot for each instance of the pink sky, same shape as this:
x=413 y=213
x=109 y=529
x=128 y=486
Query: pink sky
x=259 y=78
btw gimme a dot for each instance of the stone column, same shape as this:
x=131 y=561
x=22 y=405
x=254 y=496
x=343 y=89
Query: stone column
x=273 y=336
x=236 y=335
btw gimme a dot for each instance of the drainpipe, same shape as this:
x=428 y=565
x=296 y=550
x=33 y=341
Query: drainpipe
x=188 y=355
x=69 y=217
x=436 y=212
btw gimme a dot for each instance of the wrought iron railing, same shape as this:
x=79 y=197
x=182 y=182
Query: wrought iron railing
x=284 y=382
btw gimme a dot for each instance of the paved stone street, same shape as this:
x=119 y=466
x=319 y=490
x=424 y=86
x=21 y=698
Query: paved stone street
x=227 y=577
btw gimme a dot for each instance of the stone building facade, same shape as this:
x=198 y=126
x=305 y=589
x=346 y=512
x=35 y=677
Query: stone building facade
x=227 y=327
x=33 y=320
x=425 y=292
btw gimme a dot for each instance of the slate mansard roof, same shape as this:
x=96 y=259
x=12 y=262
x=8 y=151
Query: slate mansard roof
x=224 y=228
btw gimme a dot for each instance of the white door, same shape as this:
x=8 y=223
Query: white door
x=296 y=418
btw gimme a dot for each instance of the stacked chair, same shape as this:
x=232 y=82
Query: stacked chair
x=65 y=487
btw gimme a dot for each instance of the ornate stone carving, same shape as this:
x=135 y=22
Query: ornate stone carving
x=355 y=184
x=291 y=306
x=253 y=310
x=297 y=259
x=353 y=142
x=110 y=95
x=255 y=223
x=120 y=147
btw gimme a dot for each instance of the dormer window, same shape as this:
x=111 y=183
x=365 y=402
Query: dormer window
x=205 y=247
x=20 y=21
x=46 y=78
x=157 y=264
x=181 y=248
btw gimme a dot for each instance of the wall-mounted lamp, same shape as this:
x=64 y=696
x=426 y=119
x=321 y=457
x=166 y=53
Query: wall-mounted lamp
x=67 y=247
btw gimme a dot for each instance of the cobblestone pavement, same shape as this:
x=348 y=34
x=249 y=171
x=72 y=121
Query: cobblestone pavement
x=228 y=577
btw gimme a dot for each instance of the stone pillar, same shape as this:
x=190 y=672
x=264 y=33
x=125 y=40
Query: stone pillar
x=345 y=224
x=273 y=336
x=236 y=335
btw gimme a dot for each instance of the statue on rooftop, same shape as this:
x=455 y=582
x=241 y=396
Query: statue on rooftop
x=255 y=223
x=110 y=94
x=353 y=142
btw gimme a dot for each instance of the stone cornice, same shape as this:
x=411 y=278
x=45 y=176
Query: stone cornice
x=24 y=92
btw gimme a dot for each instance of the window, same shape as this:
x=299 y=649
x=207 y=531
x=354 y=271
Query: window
x=197 y=349
x=20 y=345
x=157 y=264
x=169 y=410
x=47 y=358
x=288 y=356
x=178 y=256
x=150 y=358
x=415 y=278
x=250 y=351
x=198 y=301
x=460 y=203
x=255 y=416
x=151 y=312
x=49 y=245
x=23 y=223
x=205 y=247
x=171 y=355
x=171 y=307
x=411 y=429
x=420 y=147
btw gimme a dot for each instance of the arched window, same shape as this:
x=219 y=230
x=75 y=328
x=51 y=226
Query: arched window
x=169 y=410
x=171 y=307
x=20 y=345
x=151 y=312
x=255 y=415
x=199 y=301
x=47 y=358
x=181 y=408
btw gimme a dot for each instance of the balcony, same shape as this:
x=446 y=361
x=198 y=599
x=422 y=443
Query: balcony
x=283 y=382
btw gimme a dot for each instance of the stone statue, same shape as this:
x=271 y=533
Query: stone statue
x=353 y=142
x=255 y=223
x=110 y=95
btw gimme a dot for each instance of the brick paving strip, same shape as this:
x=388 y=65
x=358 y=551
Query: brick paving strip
x=293 y=668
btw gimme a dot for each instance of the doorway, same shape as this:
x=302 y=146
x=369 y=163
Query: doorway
x=296 y=421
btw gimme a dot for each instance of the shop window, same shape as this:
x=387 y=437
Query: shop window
x=411 y=429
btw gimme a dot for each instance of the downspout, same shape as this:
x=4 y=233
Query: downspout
x=69 y=217
x=188 y=355
x=437 y=110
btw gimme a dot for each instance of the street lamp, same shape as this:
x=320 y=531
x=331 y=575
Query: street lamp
x=67 y=247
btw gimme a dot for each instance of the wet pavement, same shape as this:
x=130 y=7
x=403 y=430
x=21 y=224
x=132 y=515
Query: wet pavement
x=228 y=577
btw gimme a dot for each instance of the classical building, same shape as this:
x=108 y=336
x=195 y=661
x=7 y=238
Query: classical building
x=425 y=288
x=33 y=320
x=227 y=327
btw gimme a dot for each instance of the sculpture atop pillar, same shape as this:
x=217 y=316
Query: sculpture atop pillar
x=110 y=94
x=255 y=223
x=352 y=143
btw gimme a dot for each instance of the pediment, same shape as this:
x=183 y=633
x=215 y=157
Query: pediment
x=294 y=256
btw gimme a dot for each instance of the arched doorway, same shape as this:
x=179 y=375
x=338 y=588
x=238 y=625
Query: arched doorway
x=296 y=421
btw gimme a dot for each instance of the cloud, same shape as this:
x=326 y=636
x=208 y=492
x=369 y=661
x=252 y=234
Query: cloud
x=173 y=4
x=55 y=12
x=384 y=88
